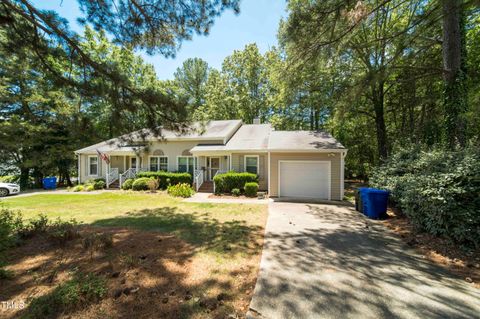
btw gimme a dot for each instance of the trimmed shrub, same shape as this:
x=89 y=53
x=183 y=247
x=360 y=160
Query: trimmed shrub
x=180 y=190
x=251 y=189
x=141 y=184
x=99 y=184
x=89 y=188
x=236 y=192
x=78 y=188
x=166 y=178
x=437 y=190
x=128 y=184
x=224 y=183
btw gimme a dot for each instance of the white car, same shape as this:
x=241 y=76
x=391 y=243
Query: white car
x=9 y=189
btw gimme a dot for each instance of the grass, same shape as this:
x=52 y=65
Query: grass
x=160 y=244
x=68 y=296
x=89 y=208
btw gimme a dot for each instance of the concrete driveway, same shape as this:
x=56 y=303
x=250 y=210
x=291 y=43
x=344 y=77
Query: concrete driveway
x=327 y=261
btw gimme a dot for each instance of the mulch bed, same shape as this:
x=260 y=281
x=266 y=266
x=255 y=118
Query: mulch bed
x=462 y=262
x=228 y=196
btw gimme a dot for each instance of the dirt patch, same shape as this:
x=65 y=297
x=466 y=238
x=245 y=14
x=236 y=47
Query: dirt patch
x=148 y=275
x=463 y=262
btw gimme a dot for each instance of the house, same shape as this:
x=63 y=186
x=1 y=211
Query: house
x=301 y=164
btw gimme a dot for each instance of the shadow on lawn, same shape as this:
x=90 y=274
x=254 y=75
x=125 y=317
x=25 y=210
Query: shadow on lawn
x=160 y=264
x=195 y=228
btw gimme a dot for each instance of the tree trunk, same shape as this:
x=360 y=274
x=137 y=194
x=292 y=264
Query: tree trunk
x=24 y=175
x=454 y=56
x=380 y=127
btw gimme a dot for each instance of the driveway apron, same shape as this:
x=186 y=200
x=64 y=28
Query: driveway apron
x=327 y=261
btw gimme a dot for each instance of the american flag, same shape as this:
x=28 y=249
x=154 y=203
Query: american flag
x=103 y=156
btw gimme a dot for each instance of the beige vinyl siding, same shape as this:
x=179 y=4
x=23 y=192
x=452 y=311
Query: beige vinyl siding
x=238 y=165
x=83 y=174
x=335 y=169
x=172 y=150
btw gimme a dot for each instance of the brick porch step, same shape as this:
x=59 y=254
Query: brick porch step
x=207 y=187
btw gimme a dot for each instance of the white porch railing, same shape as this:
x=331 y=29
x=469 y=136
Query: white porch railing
x=112 y=176
x=130 y=173
x=198 y=179
x=213 y=179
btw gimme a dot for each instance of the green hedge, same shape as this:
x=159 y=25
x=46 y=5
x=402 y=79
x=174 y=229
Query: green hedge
x=224 y=183
x=164 y=178
x=141 y=184
x=251 y=189
x=438 y=190
x=128 y=184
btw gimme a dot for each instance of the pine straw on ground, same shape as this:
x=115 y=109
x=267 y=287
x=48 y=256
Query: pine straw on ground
x=460 y=261
x=148 y=275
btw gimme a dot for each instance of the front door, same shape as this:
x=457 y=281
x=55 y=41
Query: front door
x=214 y=166
x=133 y=162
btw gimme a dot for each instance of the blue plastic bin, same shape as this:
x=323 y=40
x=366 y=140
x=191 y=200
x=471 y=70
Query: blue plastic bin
x=364 y=199
x=49 y=182
x=377 y=202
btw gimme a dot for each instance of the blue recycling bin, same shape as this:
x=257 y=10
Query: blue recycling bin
x=49 y=183
x=375 y=202
x=363 y=199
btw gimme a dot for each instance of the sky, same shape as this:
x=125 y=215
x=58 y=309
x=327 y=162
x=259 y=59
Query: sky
x=257 y=22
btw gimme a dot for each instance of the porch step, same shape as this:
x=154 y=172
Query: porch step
x=115 y=184
x=207 y=187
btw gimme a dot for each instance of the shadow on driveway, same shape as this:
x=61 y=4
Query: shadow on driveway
x=326 y=261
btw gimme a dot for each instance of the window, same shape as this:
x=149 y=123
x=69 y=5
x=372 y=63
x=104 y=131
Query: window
x=158 y=163
x=93 y=165
x=133 y=162
x=251 y=164
x=186 y=164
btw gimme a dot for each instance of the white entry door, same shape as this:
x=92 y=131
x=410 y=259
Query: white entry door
x=308 y=179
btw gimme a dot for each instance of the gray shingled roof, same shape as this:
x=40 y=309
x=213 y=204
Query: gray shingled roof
x=302 y=140
x=249 y=137
x=213 y=130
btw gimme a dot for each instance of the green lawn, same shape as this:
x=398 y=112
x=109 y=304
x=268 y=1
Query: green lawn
x=197 y=223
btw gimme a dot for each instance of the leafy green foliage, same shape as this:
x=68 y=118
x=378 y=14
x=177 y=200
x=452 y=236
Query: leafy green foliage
x=224 y=183
x=78 y=188
x=61 y=232
x=236 y=192
x=128 y=184
x=141 y=184
x=438 y=190
x=80 y=291
x=251 y=189
x=181 y=190
x=167 y=178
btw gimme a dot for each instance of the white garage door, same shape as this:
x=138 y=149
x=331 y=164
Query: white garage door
x=304 y=179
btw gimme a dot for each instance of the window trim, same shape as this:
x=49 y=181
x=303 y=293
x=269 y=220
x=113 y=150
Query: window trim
x=245 y=163
x=158 y=163
x=89 y=167
x=188 y=162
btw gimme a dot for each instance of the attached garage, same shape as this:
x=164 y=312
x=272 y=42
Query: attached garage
x=304 y=179
x=304 y=164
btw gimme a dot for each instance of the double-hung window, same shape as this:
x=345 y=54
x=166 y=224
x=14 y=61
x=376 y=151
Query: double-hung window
x=186 y=164
x=158 y=163
x=251 y=164
x=93 y=165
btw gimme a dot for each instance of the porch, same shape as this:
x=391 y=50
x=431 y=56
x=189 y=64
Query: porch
x=203 y=168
